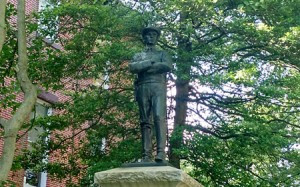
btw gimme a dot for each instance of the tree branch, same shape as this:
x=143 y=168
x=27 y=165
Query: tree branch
x=251 y=172
x=30 y=96
x=3 y=122
x=208 y=131
x=2 y=23
x=248 y=47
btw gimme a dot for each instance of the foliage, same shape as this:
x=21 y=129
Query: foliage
x=91 y=71
x=236 y=69
x=234 y=65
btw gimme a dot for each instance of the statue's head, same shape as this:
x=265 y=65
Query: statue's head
x=150 y=35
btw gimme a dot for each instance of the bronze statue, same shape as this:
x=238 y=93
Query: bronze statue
x=151 y=66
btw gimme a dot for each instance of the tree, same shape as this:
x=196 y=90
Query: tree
x=73 y=64
x=12 y=126
x=236 y=104
x=93 y=36
x=236 y=73
x=2 y=23
x=232 y=60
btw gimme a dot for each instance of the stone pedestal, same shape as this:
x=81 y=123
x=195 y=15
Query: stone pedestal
x=158 y=176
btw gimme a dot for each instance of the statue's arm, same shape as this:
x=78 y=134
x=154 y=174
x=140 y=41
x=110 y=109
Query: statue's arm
x=163 y=66
x=137 y=66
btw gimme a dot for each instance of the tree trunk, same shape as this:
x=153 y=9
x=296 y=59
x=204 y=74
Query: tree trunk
x=182 y=91
x=12 y=126
x=179 y=121
x=9 y=147
x=2 y=23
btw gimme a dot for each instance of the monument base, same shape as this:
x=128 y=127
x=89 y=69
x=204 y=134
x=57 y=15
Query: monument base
x=159 y=176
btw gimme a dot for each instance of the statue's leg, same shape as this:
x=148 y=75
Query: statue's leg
x=143 y=96
x=159 y=115
x=146 y=142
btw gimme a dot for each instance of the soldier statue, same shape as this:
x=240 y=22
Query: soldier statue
x=151 y=67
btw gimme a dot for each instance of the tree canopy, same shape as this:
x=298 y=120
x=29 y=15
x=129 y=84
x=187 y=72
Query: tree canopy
x=233 y=110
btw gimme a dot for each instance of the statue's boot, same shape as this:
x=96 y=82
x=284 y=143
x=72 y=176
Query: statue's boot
x=160 y=157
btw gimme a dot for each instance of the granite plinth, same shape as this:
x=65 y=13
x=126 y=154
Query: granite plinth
x=158 y=176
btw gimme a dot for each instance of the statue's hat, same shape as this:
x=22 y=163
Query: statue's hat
x=148 y=29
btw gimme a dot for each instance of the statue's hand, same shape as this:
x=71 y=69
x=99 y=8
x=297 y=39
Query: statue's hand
x=158 y=67
x=154 y=67
x=154 y=59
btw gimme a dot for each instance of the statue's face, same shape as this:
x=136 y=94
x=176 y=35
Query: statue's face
x=150 y=38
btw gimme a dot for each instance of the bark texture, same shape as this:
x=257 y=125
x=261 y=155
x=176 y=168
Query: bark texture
x=13 y=125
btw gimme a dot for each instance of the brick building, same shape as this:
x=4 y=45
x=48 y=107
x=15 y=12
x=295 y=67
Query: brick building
x=43 y=108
